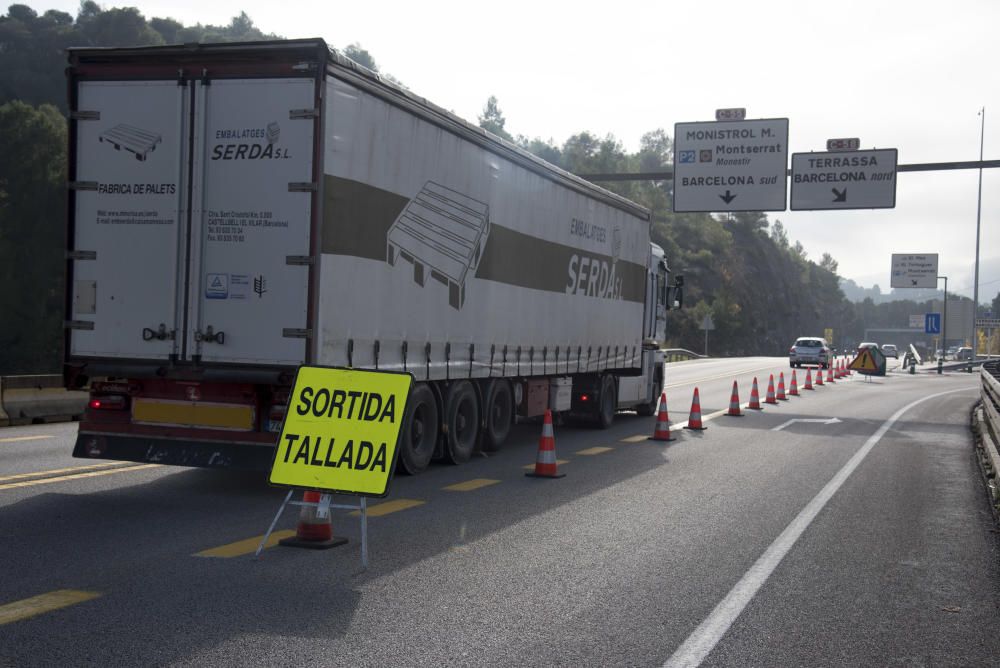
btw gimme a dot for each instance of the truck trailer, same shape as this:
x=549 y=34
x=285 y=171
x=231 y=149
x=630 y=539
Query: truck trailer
x=239 y=210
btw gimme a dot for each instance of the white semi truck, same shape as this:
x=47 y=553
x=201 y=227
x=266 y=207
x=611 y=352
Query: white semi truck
x=238 y=210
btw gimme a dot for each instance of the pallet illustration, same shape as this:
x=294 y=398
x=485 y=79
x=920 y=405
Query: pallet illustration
x=135 y=140
x=441 y=232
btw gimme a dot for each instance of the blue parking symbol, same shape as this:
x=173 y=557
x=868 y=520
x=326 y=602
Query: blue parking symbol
x=685 y=157
x=932 y=323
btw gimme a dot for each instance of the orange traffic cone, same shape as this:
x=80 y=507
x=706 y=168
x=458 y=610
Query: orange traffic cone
x=809 y=380
x=770 y=392
x=545 y=463
x=829 y=374
x=662 y=430
x=819 y=377
x=734 y=402
x=312 y=531
x=755 y=397
x=694 y=419
x=793 y=391
x=781 y=387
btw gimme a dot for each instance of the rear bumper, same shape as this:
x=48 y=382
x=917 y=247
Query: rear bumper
x=174 y=452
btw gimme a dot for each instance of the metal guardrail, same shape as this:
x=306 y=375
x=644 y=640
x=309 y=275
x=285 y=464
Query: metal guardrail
x=40 y=398
x=990 y=429
x=681 y=355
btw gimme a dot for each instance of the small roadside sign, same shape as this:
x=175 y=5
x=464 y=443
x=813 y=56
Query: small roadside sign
x=914 y=270
x=870 y=362
x=988 y=323
x=730 y=166
x=917 y=321
x=341 y=430
x=844 y=180
x=707 y=323
x=932 y=323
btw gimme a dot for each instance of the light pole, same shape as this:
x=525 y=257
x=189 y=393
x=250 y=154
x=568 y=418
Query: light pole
x=944 y=325
x=979 y=211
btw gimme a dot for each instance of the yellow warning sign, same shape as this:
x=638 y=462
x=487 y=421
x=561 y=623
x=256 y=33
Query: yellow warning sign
x=340 y=430
x=865 y=361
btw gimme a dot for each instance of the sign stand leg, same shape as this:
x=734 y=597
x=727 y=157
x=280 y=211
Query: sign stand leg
x=364 y=532
x=270 y=529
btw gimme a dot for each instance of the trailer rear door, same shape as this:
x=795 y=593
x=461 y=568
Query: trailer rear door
x=253 y=191
x=130 y=155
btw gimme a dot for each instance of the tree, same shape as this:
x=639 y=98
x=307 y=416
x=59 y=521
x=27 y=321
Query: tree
x=32 y=212
x=778 y=235
x=361 y=56
x=492 y=119
x=828 y=263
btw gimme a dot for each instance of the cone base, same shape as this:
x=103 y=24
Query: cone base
x=755 y=408
x=532 y=474
x=734 y=414
x=696 y=428
x=662 y=439
x=295 y=541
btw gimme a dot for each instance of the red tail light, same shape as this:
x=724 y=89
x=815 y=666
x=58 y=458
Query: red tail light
x=111 y=402
x=584 y=397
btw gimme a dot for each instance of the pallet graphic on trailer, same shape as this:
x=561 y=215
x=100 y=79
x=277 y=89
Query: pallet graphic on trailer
x=443 y=232
x=135 y=140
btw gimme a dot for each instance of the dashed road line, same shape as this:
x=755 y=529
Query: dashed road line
x=469 y=485
x=389 y=507
x=16 y=439
x=52 y=472
x=76 y=476
x=593 y=451
x=638 y=438
x=243 y=547
x=37 y=605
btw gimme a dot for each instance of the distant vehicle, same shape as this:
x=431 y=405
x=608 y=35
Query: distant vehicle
x=889 y=350
x=809 y=350
x=964 y=353
x=952 y=351
x=867 y=344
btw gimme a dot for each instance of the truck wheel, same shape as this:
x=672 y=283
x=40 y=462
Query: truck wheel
x=608 y=404
x=461 y=422
x=646 y=410
x=419 y=432
x=498 y=413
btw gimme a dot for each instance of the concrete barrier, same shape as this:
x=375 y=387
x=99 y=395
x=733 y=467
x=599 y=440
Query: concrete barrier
x=42 y=398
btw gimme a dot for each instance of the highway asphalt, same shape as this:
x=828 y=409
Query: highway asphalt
x=857 y=542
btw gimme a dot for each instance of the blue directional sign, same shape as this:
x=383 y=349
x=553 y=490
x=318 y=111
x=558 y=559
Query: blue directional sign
x=932 y=323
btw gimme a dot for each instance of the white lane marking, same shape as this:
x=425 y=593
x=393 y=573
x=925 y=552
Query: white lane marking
x=728 y=374
x=704 y=638
x=781 y=426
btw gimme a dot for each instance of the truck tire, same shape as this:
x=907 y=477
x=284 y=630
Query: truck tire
x=608 y=404
x=419 y=433
x=498 y=414
x=646 y=410
x=461 y=422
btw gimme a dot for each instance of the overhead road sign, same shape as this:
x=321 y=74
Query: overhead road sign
x=341 y=430
x=911 y=270
x=843 y=144
x=988 y=323
x=844 y=180
x=932 y=323
x=730 y=166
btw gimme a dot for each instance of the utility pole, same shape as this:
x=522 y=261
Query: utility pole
x=979 y=211
x=944 y=325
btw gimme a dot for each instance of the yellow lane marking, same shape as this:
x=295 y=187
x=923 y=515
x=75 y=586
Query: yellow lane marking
x=593 y=451
x=37 y=474
x=469 y=485
x=638 y=438
x=37 y=605
x=559 y=462
x=77 y=476
x=242 y=547
x=390 y=507
x=15 y=439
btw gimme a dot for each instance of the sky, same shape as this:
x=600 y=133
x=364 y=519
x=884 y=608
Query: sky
x=910 y=75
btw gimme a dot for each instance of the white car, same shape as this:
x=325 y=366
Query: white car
x=809 y=350
x=889 y=350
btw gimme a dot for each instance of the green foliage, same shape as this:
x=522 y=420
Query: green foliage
x=492 y=119
x=32 y=220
